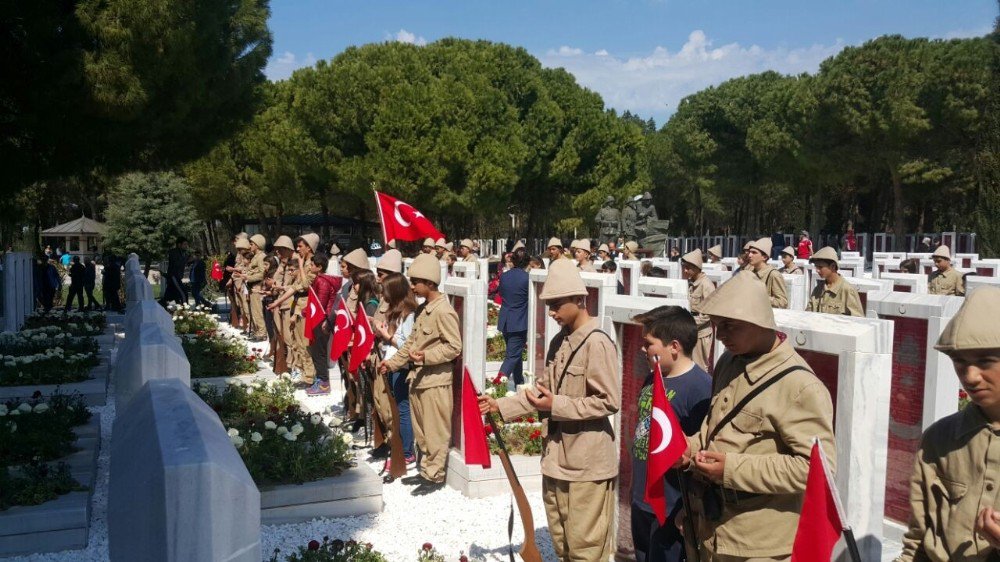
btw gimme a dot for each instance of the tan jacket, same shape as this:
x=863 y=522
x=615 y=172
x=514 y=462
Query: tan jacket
x=956 y=474
x=698 y=290
x=436 y=333
x=586 y=265
x=241 y=267
x=793 y=269
x=767 y=448
x=839 y=298
x=471 y=258
x=286 y=275
x=580 y=444
x=256 y=269
x=946 y=283
x=775 y=284
x=302 y=289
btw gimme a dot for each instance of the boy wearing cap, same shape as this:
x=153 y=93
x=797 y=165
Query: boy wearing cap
x=757 y=256
x=304 y=373
x=788 y=260
x=466 y=251
x=254 y=277
x=699 y=288
x=390 y=262
x=242 y=246
x=945 y=280
x=629 y=250
x=581 y=253
x=283 y=277
x=576 y=396
x=832 y=295
x=431 y=349
x=955 y=489
x=554 y=248
x=439 y=248
x=428 y=246
x=715 y=254
x=751 y=455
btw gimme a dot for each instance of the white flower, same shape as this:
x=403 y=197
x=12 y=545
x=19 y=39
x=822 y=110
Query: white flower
x=256 y=437
x=270 y=424
x=249 y=390
x=290 y=436
x=503 y=379
x=233 y=432
x=510 y=393
x=15 y=412
x=282 y=430
x=3 y=410
x=39 y=408
x=297 y=429
x=24 y=407
x=237 y=440
x=347 y=438
x=315 y=419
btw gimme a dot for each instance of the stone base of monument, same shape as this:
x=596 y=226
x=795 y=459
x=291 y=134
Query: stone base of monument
x=263 y=375
x=493 y=367
x=478 y=482
x=356 y=491
x=93 y=390
x=63 y=523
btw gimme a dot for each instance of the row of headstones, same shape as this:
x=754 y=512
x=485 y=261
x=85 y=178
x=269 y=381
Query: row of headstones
x=178 y=488
x=18 y=289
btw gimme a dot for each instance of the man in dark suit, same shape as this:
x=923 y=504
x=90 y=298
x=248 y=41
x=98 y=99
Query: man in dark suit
x=513 y=322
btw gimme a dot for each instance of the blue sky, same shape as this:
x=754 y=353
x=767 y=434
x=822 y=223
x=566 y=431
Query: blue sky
x=640 y=55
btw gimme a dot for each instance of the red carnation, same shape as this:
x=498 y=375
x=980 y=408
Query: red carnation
x=428 y=546
x=536 y=434
x=314 y=544
x=531 y=420
x=962 y=394
x=489 y=429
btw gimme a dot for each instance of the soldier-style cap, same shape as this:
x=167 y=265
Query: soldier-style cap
x=609 y=199
x=582 y=245
x=632 y=246
x=762 y=245
x=428 y=242
x=747 y=246
x=974 y=326
x=391 y=244
x=646 y=196
x=284 y=242
x=357 y=258
x=789 y=250
x=554 y=242
x=467 y=243
x=391 y=261
x=603 y=248
x=334 y=250
x=243 y=235
x=259 y=240
x=517 y=246
x=242 y=244
x=450 y=246
x=942 y=252
x=426 y=267
x=693 y=258
x=439 y=243
x=716 y=251
x=563 y=281
x=312 y=240
x=741 y=298
x=825 y=253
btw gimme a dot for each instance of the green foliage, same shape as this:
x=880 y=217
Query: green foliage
x=212 y=354
x=77 y=323
x=35 y=483
x=332 y=551
x=38 y=430
x=45 y=355
x=148 y=212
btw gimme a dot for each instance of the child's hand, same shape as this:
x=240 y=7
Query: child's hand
x=711 y=465
x=987 y=526
x=541 y=403
x=488 y=405
x=417 y=357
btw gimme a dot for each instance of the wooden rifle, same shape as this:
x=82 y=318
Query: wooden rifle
x=529 y=550
x=397 y=459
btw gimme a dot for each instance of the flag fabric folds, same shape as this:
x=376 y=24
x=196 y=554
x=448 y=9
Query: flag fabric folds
x=343 y=331
x=667 y=443
x=477 y=450
x=822 y=520
x=400 y=221
x=363 y=340
x=313 y=313
x=217 y=271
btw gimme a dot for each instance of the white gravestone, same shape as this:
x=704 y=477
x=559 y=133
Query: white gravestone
x=907 y=282
x=973 y=282
x=149 y=353
x=659 y=287
x=18 y=287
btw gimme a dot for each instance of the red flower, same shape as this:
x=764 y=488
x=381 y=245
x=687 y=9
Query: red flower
x=531 y=420
x=463 y=558
x=314 y=544
x=536 y=434
x=962 y=394
x=428 y=546
x=489 y=429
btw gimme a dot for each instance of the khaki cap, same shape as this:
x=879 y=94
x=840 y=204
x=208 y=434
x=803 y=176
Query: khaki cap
x=242 y=244
x=942 y=252
x=744 y=298
x=391 y=244
x=259 y=240
x=747 y=246
x=582 y=245
x=312 y=240
x=554 y=242
x=426 y=267
x=517 y=246
x=334 y=250
x=243 y=235
x=789 y=250
x=357 y=258
x=428 y=242
x=825 y=253
x=563 y=281
x=467 y=244
x=604 y=248
x=450 y=246
x=716 y=251
x=439 y=243
x=693 y=258
x=632 y=246
x=284 y=242
x=763 y=245
x=974 y=326
x=392 y=260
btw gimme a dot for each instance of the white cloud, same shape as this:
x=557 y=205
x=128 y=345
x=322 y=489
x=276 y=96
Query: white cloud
x=282 y=66
x=653 y=85
x=404 y=36
x=965 y=33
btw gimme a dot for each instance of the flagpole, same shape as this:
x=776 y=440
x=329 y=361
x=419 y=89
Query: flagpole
x=381 y=219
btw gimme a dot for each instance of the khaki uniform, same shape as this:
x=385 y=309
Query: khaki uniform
x=242 y=301
x=471 y=258
x=579 y=459
x=775 y=285
x=946 y=283
x=286 y=276
x=793 y=269
x=380 y=389
x=587 y=265
x=698 y=290
x=767 y=448
x=297 y=326
x=256 y=270
x=954 y=477
x=839 y=298
x=436 y=333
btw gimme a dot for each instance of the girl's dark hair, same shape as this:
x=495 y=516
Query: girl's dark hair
x=610 y=266
x=364 y=280
x=669 y=323
x=397 y=293
x=321 y=260
x=520 y=258
x=537 y=262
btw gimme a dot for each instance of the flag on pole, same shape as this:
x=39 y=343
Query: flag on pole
x=400 y=221
x=342 y=332
x=363 y=341
x=314 y=314
x=216 y=271
x=477 y=451
x=821 y=521
x=667 y=443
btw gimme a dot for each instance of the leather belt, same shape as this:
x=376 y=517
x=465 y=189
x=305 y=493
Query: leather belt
x=736 y=496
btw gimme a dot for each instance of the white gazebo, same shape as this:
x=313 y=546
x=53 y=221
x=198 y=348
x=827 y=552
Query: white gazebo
x=79 y=237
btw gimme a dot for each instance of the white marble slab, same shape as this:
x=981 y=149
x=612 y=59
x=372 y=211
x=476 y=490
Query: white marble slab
x=916 y=282
x=660 y=287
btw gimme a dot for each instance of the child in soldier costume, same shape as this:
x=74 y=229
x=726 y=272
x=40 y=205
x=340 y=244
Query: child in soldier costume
x=955 y=489
x=699 y=288
x=945 y=280
x=757 y=255
x=788 y=260
x=751 y=456
x=390 y=262
x=430 y=350
x=576 y=397
x=581 y=252
x=304 y=373
x=254 y=279
x=833 y=295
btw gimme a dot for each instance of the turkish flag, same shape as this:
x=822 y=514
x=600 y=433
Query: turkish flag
x=666 y=444
x=400 y=221
x=477 y=451
x=342 y=332
x=363 y=341
x=314 y=314
x=821 y=521
x=216 y=271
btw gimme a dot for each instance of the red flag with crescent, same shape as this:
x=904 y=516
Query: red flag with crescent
x=217 y=271
x=666 y=444
x=314 y=314
x=400 y=221
x=343 y=330
x=363 y=341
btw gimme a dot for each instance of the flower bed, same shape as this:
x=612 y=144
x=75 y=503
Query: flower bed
x=192 y=319
x=332 y=551
x=40 y=431
x=522 y=436
x=46 y=355
x=496 y=349
x=212 y=354
x=76 y=323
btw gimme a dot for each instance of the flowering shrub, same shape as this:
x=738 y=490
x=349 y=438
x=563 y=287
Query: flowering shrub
x=37 y=340
x=492 y=314
x=279 y=442
x=428 y=553
x=35 y=483
x=191 y=319
x=45 y=355
x=963 y=399
x=332 y=551
x=496 y=348
x=212 y=354
x=36 y=430
x=77 y=323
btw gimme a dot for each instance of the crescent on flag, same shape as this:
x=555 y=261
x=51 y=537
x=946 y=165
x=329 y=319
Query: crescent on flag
x=362 y=329
x=342 y=313
x=659 y=417
x=399 y=217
